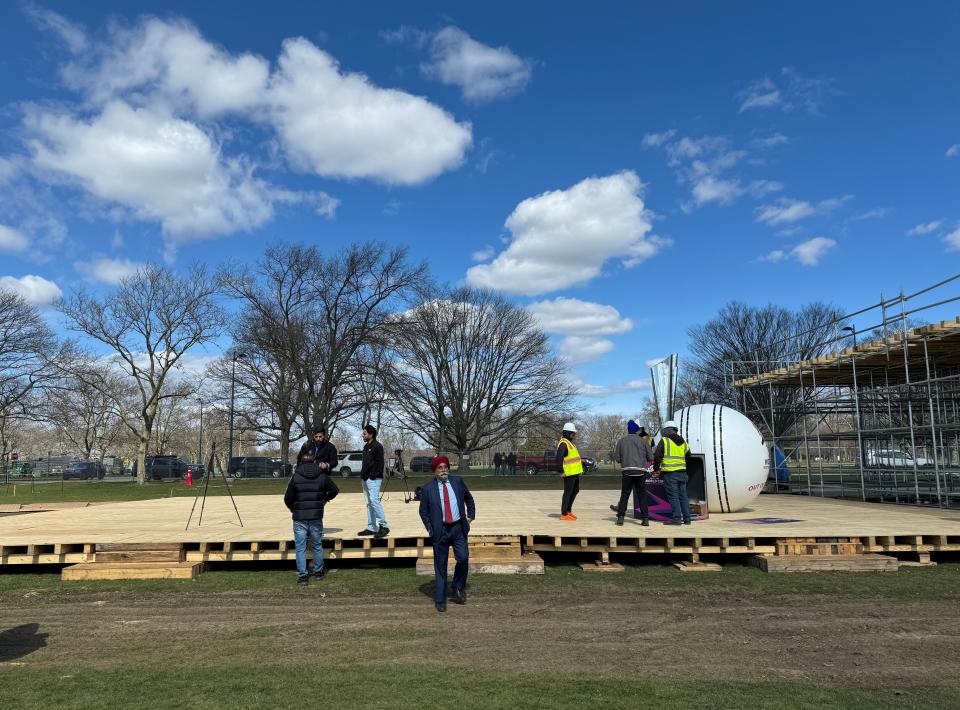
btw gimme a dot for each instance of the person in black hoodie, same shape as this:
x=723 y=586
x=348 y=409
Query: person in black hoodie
x=309 y=490
x=371 y=476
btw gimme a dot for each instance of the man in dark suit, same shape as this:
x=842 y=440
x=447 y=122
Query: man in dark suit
x=447 y=509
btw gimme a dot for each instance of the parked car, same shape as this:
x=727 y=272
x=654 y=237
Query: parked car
x=349 y=463
x=196 y=469
x=258 y=467
x=161 y=467
x=534 y=464
x=85 y=470
x=893 y=458
x=420 y=464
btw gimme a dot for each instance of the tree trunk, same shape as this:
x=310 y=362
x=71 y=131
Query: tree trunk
x=142 y=457
x=462 y=466
x=285 y=444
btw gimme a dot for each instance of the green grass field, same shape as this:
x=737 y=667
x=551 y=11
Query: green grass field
x=369 y=638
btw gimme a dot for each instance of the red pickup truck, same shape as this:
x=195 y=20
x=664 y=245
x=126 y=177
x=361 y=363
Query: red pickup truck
x=532 y=464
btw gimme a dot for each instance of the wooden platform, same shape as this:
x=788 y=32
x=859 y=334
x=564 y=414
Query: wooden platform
x=524 y=521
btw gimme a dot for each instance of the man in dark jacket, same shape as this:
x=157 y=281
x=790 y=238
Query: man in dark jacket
x=497 y=464
x=671 y=458
x=309 y=490
x=633 y=454
x=447 y=509
x=324 y=453
x=371 y=477
x=512 y=464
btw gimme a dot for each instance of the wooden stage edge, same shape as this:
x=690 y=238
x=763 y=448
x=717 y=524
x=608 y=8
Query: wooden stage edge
x=510 y=525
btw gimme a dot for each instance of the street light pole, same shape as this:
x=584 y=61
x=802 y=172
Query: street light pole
x=200 y=450
x=853 y=330
x=233 y=383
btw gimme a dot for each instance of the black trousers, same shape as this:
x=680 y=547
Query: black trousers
x=450 y=536
x=635 y=485
x=571 y=486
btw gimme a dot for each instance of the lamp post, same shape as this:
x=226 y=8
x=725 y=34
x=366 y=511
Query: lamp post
x=200 y=449
x=233 y=387
x=853 y=330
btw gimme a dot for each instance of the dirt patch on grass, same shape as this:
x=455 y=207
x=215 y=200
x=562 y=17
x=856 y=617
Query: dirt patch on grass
x=731 y=638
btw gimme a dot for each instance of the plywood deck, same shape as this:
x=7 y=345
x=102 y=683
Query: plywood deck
x=532 y=517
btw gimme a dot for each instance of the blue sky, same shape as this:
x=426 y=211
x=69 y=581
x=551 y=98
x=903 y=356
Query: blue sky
x=623 y=171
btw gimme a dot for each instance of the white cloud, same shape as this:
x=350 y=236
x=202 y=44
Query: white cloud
x=791 y=92
x=12 y=239
x=768 y=142
x=8 y=170
x=953 y=151
x=808 y=253
x=578 y=349
x=109 y=271
x=571 y=316
x=159 y=167
x=876 y=213
x=563 y=238
x=176 y=63
x=923 y=229
x=341 y=125
x=34 y=289
x=483 y=254
x=788 y=210
x=710 y=189
x=588 y=390
x=483 y=73
x=655 y=140
x=953 y=239
x=71 y=34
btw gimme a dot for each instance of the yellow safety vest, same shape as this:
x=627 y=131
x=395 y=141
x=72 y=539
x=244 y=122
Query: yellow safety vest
x=674 y=456
x=572 y=464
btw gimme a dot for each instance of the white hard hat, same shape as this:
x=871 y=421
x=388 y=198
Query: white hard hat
x=569 y=426
x=670 y=424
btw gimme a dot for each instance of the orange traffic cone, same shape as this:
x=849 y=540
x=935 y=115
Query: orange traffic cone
x=189 y=481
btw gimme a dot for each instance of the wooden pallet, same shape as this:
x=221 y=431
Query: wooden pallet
x=825 y=563
x=820 y=546
x=131 y=570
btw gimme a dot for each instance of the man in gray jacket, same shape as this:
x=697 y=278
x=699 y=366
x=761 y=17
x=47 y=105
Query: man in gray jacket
x=633 y=454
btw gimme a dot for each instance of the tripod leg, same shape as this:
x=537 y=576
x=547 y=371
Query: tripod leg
x=223 y=475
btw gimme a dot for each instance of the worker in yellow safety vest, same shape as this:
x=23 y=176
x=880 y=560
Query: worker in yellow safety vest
x=571 y=466
x=670 y=459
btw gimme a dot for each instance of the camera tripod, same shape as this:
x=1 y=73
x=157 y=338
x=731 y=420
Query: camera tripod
x=397 y=472
x=214 y=461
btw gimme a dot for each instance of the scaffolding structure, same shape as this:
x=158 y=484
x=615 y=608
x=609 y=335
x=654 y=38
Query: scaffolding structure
x=876 y=421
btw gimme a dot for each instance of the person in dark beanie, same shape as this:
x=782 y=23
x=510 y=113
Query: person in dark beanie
x=371 y=478
x=634 y=454
x=308 y=492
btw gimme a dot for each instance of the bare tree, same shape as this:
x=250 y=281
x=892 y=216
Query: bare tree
x=471 y=369
x=149 y=322
x=29 y=353
x=743 y=340
x=316 y=313
x=82 y=414
x=600 y=433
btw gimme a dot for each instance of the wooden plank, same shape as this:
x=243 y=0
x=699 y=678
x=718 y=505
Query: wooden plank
x=94 y=570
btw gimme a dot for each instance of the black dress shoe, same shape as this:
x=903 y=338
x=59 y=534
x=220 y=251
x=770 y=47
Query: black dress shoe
x=366 y=532
x=441 y=606
x=459 y=596
x=645 y=523
x=614 y=508
x=620 y=520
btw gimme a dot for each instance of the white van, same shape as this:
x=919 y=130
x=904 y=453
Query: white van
x=893 y=458
x=349 y=463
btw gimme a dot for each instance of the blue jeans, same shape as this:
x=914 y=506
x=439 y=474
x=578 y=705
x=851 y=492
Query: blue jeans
x=676 y=484
x=375 y=514
x=313 y=528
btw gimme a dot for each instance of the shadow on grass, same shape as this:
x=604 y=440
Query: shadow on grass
x=20 y=641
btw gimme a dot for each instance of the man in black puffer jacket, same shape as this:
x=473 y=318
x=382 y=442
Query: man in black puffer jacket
x=309 y=490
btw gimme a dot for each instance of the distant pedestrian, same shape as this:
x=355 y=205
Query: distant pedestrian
x=447 y=509
x=307 y=494
x=498 y=464
x=571 y=466
x=371 y=478
x=670 y=458
x=512 y=463
x=634 y=455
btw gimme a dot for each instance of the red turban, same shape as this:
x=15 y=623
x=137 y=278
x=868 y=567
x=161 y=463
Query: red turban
x=435 y=464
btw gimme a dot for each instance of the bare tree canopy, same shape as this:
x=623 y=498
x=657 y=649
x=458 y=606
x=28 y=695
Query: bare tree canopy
x=743 y=340
x=312 y=317
x=148 y=322
x=470 y=369
x=82 y=414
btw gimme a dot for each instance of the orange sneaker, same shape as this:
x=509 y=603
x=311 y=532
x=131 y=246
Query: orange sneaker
x=568 y=516
x=572 y=516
